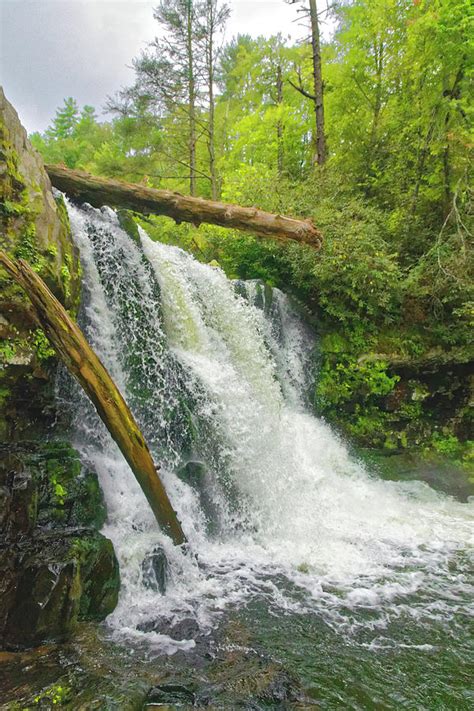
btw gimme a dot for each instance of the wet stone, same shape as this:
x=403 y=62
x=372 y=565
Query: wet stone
x=155 y=570
x=45 y=485
x=55 y=567
x=50 y=582
x=195 y=473
x=171 y=695
x=184 y=629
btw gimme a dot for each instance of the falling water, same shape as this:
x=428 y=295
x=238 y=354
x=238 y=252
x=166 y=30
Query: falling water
x=273 y=505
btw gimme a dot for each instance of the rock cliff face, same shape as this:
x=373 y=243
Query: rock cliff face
x=33 y=226
x=55 y=567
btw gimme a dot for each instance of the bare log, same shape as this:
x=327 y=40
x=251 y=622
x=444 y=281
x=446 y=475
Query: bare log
x=181 y=208
x=73 y=349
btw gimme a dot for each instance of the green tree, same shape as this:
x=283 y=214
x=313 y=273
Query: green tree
x=175 y=85
x=65 y=120
x=310 y=9
x=212 y=19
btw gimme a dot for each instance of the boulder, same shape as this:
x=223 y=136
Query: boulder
x=155 y=570
x=50 y=581
x=55 y=567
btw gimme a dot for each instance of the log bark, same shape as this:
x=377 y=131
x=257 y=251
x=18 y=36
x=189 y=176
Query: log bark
x=73 y=349
x=182 y=208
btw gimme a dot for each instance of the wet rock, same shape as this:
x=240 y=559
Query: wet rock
x=55 y=568
x=155 y=570
x=245 y=680
x=45 y=485
x=184 y=629
x=196 y=474
x=193 y=473
x=50 y=582
x=18 y=495
x=171 y=695
x=39 y=595
x=68 y=494
x=99 y=576
x=243 y=677
x=94 y=672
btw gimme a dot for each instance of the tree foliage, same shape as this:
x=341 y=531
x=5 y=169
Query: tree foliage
x=393 y=198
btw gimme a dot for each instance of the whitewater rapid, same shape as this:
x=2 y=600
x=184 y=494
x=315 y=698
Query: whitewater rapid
x=270 y=499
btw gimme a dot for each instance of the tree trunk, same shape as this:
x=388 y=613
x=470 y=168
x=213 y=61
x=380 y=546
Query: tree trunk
x=76 y=354
x=212 y=137
x=321 y=153
x=279 y=88
x=192 y=100
x=450 y=95
x=182 y=208
x=379 y=65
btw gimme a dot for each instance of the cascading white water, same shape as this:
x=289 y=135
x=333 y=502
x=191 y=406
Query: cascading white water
x=271 y=501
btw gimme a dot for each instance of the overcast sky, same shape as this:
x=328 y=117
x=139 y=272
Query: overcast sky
x=50 y=49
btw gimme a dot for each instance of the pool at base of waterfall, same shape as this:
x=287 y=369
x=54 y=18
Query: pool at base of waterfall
x=256 y=657
x=311 y=579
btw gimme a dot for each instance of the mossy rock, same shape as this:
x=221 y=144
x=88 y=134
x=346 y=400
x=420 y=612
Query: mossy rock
x=50 y=581
x=46 y=486
x=99 y=574
x=68 y=493
x=393 y=402
x=128 y=224
x=55 y=568
x=35 y=227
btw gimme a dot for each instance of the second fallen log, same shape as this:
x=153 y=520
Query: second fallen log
x=73 y=349
x=181 y=208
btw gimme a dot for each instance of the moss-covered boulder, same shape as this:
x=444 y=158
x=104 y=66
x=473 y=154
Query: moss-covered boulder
x=44 y=485
x=49 y=582
x=33 y=226
x=55 y=568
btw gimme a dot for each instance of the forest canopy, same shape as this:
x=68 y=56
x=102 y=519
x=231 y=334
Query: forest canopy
x=375 y=149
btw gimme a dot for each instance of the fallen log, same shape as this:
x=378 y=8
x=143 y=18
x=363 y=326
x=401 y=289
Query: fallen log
x=181 y=208
x=77 y=355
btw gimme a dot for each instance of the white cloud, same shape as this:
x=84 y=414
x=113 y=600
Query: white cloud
x=50 y=49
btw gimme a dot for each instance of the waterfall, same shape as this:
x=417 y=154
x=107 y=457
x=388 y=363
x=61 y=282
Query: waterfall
x=216 y=373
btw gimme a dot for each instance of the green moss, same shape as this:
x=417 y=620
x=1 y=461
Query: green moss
x=68 y=494
x=447 y=444
x=53 y=695
x=4 y=393
x=43 y=349
x=62 y=213
x=10 y=208
x=411 y=410
x=7 y=352
x=345 y=378
x=27 y=248
x=100 y=576
x=128 y=224
x=66 y=280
